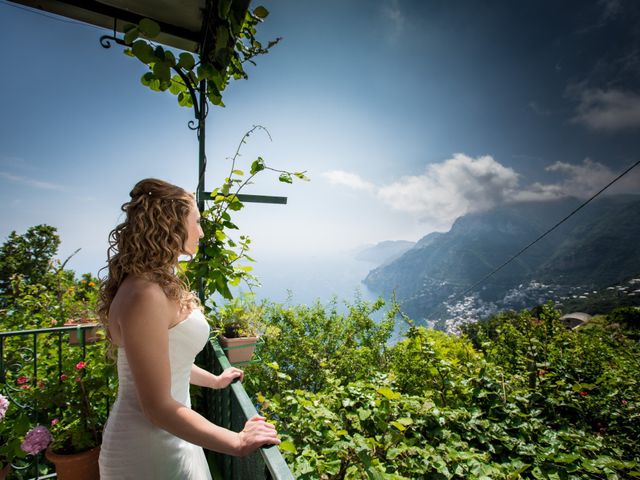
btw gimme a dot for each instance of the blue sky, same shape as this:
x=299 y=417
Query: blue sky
x=405 y=115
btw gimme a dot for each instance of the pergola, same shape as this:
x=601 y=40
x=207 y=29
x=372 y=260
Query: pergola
x=187 y=25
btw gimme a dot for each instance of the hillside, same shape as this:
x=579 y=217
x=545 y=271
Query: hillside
x=384 y=252
x=594 y=249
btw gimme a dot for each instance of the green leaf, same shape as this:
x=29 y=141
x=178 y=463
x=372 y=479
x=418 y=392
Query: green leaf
x=149 y=28
x=388 y=393
x=159 y=53
x=161 y=71
x=169 y=58
x=216 y=100
x=257 y=166
x=143 y=51
x=205 y=71
x=146 y=79
x=364 y=413
x=177 y=85
x=222 y=38
x=285 y=178
x=287 y=446
x=186 y=61
x=184 y=100
x=301 y=176
x=131 y=35
x=240 y=173
x=398 y=425
x=261 y=12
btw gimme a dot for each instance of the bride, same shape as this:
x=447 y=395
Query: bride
x=157 y=327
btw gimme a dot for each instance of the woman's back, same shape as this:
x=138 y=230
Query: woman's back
x=135 y=448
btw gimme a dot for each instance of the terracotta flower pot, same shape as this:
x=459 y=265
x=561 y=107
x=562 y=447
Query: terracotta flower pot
x=77 y=466
x=238 y=350
x=90 y=334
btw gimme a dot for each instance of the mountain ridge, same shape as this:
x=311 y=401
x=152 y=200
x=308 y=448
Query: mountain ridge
x=593 y=249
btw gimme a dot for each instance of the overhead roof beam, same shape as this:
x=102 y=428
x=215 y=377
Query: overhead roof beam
x=112 y=17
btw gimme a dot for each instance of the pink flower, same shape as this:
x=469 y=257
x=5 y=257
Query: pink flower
x=41 y=385
x=584 y=394
x=4 y=404
x=24 y=387
x=22 y=379
x=80 y=365
x=624 y=402
x=78 y=379
x=36 y=440
x=54 y=422
x=63 y=377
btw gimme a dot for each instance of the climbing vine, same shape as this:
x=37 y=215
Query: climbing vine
x=232 y=28
x=221 y=260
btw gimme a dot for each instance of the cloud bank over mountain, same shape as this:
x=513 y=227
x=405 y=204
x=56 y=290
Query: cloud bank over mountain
x=462 y=184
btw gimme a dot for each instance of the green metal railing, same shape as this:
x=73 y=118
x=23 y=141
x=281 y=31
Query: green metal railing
x=231 y=408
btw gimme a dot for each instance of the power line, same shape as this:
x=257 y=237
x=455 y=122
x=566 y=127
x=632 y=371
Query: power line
x=52 y=17
x=496 y=270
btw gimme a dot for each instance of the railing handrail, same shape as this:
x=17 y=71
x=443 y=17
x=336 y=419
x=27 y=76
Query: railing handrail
x=271 y=455
x=35 y=331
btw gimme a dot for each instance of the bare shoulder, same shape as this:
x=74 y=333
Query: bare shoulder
x=139 y=301
x=137 y=291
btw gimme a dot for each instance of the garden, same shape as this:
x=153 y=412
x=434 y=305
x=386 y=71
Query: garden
x=517 y=395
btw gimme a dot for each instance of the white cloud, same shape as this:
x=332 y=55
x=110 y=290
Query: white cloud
x=582 y=181
x=462 y=184
x=30 y=182
x=452 y=188
x=348 y=179
x=608 y=110
x=394 y=17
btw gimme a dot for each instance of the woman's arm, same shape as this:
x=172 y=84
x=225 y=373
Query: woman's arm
x=147 y=314
x=202 y=378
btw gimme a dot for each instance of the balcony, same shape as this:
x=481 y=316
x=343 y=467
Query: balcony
x=29 y=357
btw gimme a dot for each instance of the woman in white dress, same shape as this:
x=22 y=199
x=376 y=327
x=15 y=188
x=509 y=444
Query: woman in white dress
x=157 y=327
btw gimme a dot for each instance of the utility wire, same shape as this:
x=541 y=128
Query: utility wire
x=496 y=270
x=36 y=11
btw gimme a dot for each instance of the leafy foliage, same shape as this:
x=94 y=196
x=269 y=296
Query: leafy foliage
x=218 y=264
x=232 y=27
x=520 y=397
x=70 y=398
x=40 y=292
x=26 y=259
x=307 y=347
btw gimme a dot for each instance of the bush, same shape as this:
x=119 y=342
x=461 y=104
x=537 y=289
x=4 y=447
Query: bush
x=305 y=346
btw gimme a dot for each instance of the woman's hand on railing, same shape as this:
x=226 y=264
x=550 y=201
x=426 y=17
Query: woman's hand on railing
x=228 y=376
x=256 y=433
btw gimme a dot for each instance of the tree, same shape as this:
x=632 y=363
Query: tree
x=29 y=256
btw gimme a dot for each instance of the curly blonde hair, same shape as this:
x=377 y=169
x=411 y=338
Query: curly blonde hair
x=147 y=244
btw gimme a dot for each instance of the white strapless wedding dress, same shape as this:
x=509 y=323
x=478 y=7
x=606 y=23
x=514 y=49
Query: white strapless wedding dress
x=132 y=447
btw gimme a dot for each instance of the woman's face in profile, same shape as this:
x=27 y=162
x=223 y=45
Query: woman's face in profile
x=194 y=231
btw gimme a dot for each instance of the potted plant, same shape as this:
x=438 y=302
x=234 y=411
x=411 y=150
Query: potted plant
x=239 y=328
x=76 y=404
x=91 y=335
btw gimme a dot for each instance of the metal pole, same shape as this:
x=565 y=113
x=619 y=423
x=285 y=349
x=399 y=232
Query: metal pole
x=202 y=165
